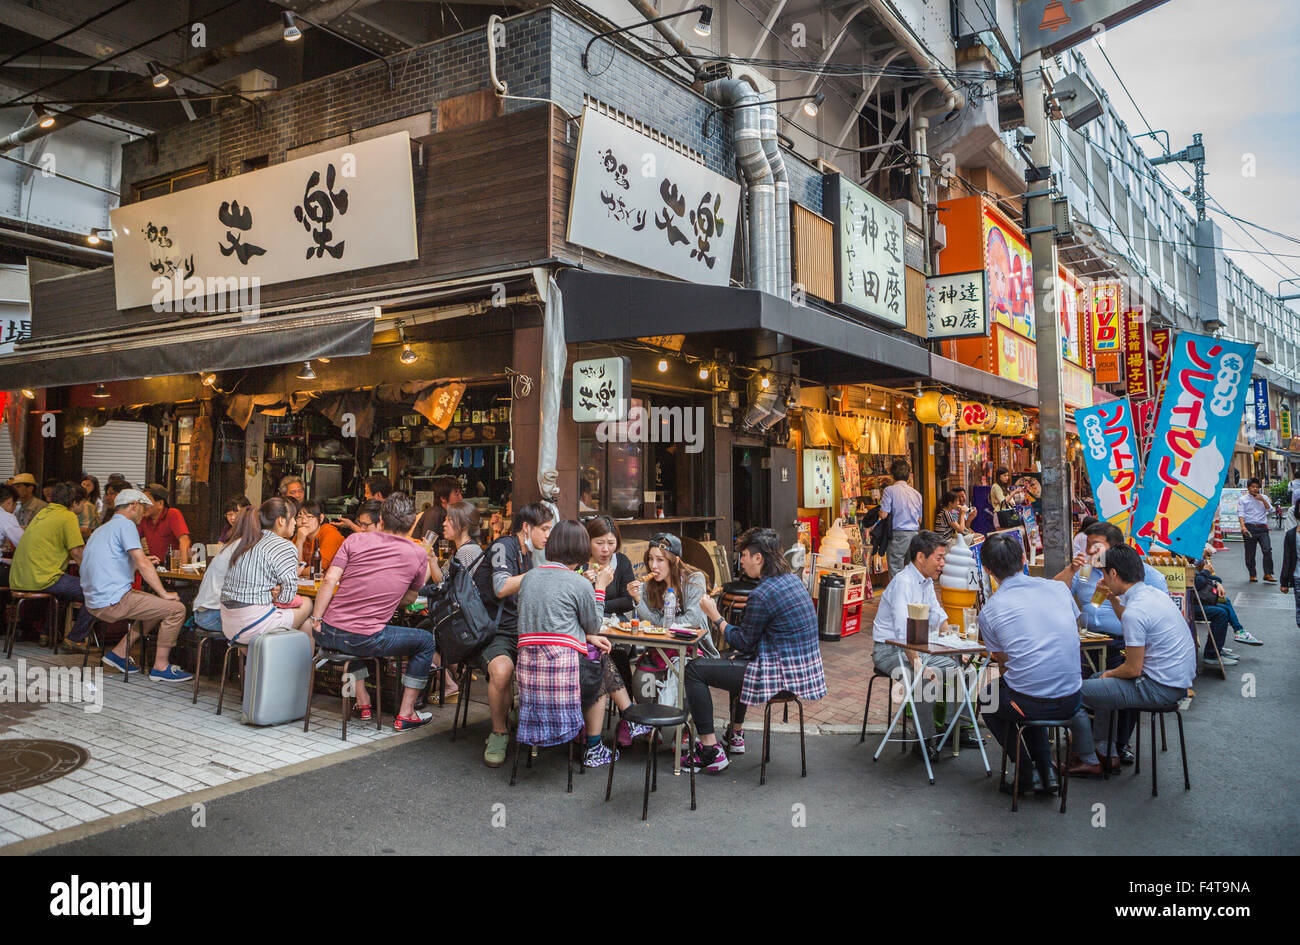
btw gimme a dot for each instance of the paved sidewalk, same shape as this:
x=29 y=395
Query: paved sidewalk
x=148 y=744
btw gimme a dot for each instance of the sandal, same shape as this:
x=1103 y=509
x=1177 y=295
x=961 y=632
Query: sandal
x=364 y=712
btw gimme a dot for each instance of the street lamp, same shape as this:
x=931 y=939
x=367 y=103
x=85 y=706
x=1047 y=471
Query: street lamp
x=811 y=104
x=703 y=26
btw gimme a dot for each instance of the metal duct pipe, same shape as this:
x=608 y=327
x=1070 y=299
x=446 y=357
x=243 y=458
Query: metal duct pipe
x=674 y=38
x=781 y=197
x=742 y=101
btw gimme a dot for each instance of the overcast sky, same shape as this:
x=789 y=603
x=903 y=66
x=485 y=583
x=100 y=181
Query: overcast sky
x=1229 y=69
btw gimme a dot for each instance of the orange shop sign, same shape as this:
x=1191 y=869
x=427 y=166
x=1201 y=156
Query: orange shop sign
x=1016 y=357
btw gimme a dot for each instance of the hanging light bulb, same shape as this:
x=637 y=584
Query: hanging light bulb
x=407 y=356
x=306 y=374
x=29 y=393
x=705 y=25
x=43 y=116
x=157 y=76
x=93 y=238
x=704 y=372
x=209 y=379
x=291 y=32
x=811 y=106
x=99 y=391
x=85 y=431
x=663 y=365
x=765 y=382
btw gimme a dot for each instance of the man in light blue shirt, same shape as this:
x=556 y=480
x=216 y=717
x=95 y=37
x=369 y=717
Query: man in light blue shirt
x=1159 y=661
x=1029 y=627
x=112 y=556
x=903 y=506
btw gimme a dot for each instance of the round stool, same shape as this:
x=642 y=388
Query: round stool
x=20 y=598
x=658 y=717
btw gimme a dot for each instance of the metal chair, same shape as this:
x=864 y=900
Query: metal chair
x=464 y=676
x=1162 y=711
x=878 y=673
x=1017 y=733
x=204 y=638
x=323 y=656
x=784 y=699
x=658 y=717
x=242 y=649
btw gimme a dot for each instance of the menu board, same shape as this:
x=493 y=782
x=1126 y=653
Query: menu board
x=1229 y=520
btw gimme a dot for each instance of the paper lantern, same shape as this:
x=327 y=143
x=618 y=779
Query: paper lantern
x=934 y=407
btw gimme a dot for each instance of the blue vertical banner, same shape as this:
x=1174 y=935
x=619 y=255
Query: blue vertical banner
x=1196 y=430
x=1110 y=446
x=1261 y=404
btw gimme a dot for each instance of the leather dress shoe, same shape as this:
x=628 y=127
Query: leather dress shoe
x=1053 y=782
x=1078 y=769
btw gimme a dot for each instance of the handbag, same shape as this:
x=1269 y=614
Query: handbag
x=590 y=675
x=1009 y=518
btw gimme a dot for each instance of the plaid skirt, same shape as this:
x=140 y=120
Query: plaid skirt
x=550 y=695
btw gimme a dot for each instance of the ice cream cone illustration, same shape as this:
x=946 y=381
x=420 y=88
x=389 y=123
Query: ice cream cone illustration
x=1198 y=488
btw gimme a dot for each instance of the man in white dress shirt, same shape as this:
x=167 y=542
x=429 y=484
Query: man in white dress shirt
x=1253 y=509
x=914 y=584
x=1159 y=661
x=903 y=506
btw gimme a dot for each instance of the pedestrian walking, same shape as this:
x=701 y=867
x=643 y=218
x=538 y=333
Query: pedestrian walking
x=1253 y=509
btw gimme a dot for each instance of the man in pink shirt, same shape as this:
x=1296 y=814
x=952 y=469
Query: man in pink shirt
x=372 y=574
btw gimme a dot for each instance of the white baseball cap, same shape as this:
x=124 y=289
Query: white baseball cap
x=127 y=496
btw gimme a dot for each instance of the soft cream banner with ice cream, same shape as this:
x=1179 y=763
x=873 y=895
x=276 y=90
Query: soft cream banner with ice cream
x=1109 y=441
x=1199 y=415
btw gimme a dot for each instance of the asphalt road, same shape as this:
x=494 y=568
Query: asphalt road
x=433 y=796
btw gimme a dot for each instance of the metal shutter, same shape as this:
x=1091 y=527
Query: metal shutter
x=119 y=446
x=6 y=453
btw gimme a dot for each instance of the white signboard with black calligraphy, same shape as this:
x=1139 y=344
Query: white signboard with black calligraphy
x=602 y=388
x=638 y=200
x=350 y=208
x=954 y=305
x=869 y=273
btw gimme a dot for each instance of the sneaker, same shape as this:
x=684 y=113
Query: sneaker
x=1219 y=663
x=598 y=755
x=116 y=662
x=736 y=742
x=718 y=763
x=1227 y=652
x=172 y=673
x=1248 y=638
x=404 y=723
x=494 y=755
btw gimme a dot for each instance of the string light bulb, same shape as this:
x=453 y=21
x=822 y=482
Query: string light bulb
x=765 y=382
x=407 y=356
x=663 y=365
x=704 y=372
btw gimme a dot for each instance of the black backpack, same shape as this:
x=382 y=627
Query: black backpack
x=461 y=624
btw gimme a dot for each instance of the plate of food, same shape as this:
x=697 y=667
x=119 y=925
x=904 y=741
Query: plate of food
x=654 y=631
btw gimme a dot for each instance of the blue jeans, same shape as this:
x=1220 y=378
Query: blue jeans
x=391 y=641
x=1217 y=615
x=68 y=588
x=1102 y=695
x=208 y=619
x=1014 y=706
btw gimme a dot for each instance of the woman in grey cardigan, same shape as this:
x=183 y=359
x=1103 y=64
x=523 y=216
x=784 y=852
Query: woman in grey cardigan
x=666 y=570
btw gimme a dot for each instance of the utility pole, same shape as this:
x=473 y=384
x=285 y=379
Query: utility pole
x=1041 y=232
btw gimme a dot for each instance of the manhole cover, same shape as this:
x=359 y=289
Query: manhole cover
x=25 y=762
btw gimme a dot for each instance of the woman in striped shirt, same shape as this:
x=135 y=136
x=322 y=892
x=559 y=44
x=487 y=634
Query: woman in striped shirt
x=260 y=592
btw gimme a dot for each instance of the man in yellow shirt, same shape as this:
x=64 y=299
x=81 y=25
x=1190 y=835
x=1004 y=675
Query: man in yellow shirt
x=51 y=541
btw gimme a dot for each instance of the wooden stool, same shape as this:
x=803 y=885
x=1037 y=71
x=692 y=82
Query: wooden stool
x=20 y=598
x=323 y=656
x=784 y=699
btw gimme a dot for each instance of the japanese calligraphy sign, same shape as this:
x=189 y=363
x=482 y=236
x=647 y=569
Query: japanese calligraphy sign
x=1260 y=386
x=602 y=388
x=955 y=305
x=1194 y=438
x=439 y=405
x=1106 y=319
x=348 y=208
x=15 y=325
x=869 y=270
x=1011 y=275
x=818 y=479
x=1135 y=354
x=1110 y=454
x=1284 y=424
x=639 y=200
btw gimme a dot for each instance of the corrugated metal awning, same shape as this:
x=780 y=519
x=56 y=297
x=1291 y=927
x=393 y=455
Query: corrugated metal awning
x=210 y=344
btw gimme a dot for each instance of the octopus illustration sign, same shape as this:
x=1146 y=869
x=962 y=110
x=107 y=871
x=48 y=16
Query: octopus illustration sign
x=1194 y=438
x=1110 y=453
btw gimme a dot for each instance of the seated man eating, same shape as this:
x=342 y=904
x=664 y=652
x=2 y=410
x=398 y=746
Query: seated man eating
x=1159 y=661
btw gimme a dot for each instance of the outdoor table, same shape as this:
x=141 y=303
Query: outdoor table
x=688 y=646
x=912 y=683
x=305 y=588
x=1094 y=647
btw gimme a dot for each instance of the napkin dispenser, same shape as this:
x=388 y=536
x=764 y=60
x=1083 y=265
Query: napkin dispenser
x=918 y=630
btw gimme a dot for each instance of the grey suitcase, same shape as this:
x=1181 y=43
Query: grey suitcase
x=276 y=679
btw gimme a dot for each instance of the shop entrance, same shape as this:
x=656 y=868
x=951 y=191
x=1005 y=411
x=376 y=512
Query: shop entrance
x=751 y=489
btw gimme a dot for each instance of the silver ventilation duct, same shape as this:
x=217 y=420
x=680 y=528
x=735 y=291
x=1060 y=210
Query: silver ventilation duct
x=742 y=101
x=781 y=182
